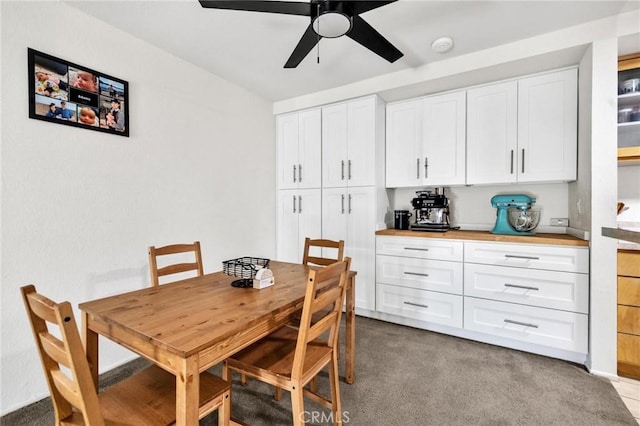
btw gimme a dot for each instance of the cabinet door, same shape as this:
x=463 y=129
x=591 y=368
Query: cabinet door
x=310 y=217
x=360 y=243
x=309 y=149
x=547 y=127
x=443 y=142
x=334 y=146
x=287 y=241
x=361 y=133
x=492 y=134
x=287 y=147
x=334 y=214
x=404 y=144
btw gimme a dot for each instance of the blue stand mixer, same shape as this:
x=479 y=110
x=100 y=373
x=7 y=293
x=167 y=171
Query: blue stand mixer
x=523 y=204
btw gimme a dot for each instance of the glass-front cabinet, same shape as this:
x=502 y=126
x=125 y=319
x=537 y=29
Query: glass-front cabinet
x=629 y=108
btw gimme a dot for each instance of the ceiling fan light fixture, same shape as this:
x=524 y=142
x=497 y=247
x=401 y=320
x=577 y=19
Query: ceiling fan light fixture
x=331 y=24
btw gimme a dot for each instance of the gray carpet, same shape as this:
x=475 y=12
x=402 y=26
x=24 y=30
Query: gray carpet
x=407 y=377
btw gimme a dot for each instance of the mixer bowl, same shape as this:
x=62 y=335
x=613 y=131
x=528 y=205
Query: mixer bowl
x=523 y=220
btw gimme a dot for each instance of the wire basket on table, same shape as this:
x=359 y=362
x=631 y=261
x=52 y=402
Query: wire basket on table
x=244 y=268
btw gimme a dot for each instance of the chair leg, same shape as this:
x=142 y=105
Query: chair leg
x=224 y=411
x=313 y=384
x=334 y=380
x=297 y=405
x=226 y=372
x=244 y=380
x=277 y=394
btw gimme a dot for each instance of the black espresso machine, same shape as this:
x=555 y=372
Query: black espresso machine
x=431 y=211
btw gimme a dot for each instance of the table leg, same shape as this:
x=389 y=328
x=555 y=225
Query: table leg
x=350 y=338
x=90 y=339
x=187 y=391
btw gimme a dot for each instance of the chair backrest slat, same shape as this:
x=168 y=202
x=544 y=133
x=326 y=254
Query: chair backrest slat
x=54 y=347
x=156 y=272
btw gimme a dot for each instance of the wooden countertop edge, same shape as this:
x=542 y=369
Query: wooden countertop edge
x=550 y=239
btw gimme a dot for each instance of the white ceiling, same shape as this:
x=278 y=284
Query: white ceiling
x=250 y=48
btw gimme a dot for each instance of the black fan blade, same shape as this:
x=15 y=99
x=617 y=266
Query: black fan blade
x=306 y=43
x=359 y=7
x=367 y=36
x=284 y=7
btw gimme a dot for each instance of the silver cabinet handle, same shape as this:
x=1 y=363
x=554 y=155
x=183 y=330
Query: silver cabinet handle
x=526 y=287
x=522 y=160
x=511 y=162
x=426 y=165
x=515 y=256
x=342 y=170
x=294 y=173
x=526 y=324
x=349 y=170
x=417 y=168
x=416 y=304
x=416 y=249
x=416 y=273
x=342 y=203
x=299 y=172
x=299 y=203
x=294 y=203
x=349 y=203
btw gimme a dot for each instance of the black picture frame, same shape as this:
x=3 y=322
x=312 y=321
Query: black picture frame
x=66 y=93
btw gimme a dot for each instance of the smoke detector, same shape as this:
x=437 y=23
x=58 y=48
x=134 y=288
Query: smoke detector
x=442 y=45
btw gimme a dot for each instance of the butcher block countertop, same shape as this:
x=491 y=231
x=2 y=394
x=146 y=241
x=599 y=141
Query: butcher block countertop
x=551 y=239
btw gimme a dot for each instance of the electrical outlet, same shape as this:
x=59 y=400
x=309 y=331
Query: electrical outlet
x=559 y=221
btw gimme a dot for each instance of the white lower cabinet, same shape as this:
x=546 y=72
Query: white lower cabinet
x=533 y=297
x=548 y=327
x=547 y=289
x=421 y=274
x=430 y=306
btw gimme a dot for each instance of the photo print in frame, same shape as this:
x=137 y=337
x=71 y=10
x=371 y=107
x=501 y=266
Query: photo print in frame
x=74 y=95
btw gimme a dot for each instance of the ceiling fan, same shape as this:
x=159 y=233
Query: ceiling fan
x=329 y=19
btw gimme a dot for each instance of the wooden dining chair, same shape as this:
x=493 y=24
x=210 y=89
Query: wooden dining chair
x=308 y=259
x=145 y=398
x=289 y=358
x=175 y=268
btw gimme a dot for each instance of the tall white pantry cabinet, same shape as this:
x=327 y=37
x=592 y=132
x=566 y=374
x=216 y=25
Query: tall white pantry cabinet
x=353 y=202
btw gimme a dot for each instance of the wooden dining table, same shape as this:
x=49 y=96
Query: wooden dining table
x=188 y=326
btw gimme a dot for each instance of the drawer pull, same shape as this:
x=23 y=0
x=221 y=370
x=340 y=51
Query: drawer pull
x=522 y=286
x=416 y=273
x=515 y=256
x=526 y=324
x=417 y=304
x=416 y=249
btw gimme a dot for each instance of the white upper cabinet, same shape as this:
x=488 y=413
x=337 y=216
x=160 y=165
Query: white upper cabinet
x=443 y=139
x=299 y=150
x=523 y=131
x=426 y=141
x=492 y=133
x=547 y=127
x=404 y=144
x=348 y=139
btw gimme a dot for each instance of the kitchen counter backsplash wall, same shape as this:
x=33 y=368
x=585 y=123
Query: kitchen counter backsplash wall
x=629 y=193
x=471 y=205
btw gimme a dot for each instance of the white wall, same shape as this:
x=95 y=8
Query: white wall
x=79 y=208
